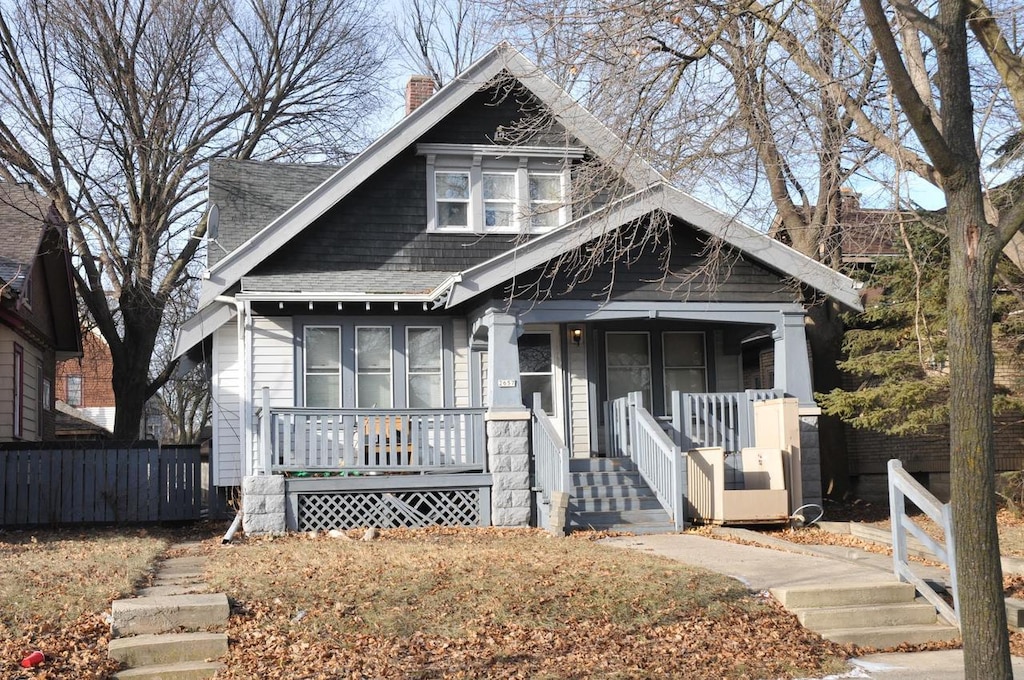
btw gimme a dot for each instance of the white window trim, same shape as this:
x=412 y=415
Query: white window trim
x=468 y=201
x=391 y=365
x=76 y=377
x=305 y=361
x=409 y=373
x=477 y=159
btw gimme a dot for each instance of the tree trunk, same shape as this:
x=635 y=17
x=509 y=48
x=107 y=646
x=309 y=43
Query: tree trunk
x=131 y=359
x=974 y=249
x=825 y=337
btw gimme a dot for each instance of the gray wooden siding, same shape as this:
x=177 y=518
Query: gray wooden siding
x=477 y=120
x=579 y=399
x=460 y=354
x=226 y=466
x=30 y=416
x=273 y=359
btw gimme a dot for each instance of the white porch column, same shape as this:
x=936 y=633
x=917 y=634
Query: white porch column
x=503 y=332
x=508 y=423
x=792 y=364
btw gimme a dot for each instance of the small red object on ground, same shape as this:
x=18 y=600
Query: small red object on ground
x=33 y=659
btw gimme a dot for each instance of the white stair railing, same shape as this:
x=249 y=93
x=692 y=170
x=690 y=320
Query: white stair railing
x=903 y=487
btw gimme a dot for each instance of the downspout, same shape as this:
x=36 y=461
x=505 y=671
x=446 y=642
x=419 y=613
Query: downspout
x=240 y=320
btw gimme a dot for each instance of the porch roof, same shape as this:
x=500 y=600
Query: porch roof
x=657 y=197
x=372 y=281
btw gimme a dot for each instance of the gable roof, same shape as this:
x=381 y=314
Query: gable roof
x=659 y=197
x=35 y=246
x=23 y=216
x=579 y=122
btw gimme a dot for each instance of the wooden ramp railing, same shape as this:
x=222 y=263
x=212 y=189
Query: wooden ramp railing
x=903 y=487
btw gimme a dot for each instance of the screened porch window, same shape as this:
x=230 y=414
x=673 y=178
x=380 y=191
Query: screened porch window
x=424 y=364
x=536 y=372
x=628 y=358
x=373 y=367
x=685 y=364
x=322 y=366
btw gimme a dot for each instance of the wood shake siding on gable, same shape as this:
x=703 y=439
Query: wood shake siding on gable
x=382 y=225
x=642 y=277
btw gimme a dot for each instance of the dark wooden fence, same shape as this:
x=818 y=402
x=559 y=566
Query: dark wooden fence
x=98 y=483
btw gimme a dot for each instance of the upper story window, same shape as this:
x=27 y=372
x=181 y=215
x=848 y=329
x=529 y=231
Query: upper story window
x=481 y=189
x=73 y=395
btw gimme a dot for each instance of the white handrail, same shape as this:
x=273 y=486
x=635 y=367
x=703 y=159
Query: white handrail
x=903 y=487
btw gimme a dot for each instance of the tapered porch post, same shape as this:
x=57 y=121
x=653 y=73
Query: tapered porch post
x=508 y=423
x=792 y=364
x=793 y=376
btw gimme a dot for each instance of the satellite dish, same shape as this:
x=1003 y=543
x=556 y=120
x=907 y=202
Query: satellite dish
x=212 y=221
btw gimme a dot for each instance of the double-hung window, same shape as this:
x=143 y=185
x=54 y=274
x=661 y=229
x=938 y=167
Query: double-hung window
x=322 y=366
x=423 y=372
x=503 y=189
x=373 y=367
x=628 y=359
x=684 y=364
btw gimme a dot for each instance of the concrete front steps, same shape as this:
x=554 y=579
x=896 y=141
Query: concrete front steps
x=608 y=494
x=174 y=630
x=880 y=615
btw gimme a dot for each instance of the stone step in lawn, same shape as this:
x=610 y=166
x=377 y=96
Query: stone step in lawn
x=891 y=636
x=168 y=648
x=173 y=589
x=877 y=615
x=836 y=595
x=192 y=670
x=170 y=613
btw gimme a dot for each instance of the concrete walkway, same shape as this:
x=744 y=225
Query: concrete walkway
x=762 y=568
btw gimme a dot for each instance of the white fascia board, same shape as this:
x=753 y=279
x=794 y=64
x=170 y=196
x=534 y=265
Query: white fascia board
x=536 y=252
x=242 y=259
x=577 y=120
x=340 y=296
x=762 y=248
x=201 y=325
x=748 y=241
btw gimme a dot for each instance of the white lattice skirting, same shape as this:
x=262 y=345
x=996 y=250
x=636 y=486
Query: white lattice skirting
x=360 y=509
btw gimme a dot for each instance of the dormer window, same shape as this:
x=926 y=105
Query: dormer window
x=491 y=189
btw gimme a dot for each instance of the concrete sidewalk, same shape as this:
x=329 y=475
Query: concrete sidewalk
x=760 y=569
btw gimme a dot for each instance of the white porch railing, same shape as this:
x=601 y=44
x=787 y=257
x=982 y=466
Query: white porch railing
x=383 y=440
x=901 y=488
x=716 y=419
x=636 y=433
x=550 y=455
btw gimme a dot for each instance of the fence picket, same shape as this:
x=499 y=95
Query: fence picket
x=93 y=483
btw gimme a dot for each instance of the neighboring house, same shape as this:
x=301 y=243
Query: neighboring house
x=394 y=315
x=85 y=383
x=38 y=312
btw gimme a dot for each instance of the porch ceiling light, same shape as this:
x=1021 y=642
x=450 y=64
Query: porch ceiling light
x=576 y=335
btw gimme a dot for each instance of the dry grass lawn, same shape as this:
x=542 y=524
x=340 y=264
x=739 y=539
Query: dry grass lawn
x=496 y=603
x=55 y=588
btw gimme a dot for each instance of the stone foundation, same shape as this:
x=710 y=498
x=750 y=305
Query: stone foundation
x=508 y=460
x=263 y=505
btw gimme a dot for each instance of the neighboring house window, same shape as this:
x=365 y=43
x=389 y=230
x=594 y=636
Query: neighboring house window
x=373 y=367
x=423 y=373
x=497 y=189
x=322 y=366
x=26 y=293
x=19 y=390
x=684 y=362
x=47 y=392
x=73 y=397
x=628 y=358
x=536 y=371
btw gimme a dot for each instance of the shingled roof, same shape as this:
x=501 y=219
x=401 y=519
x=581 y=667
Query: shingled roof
x=250 y=194
x=23 y=215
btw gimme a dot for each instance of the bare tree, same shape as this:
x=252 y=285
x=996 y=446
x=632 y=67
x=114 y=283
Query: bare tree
x=440 y=38
x=114 y=107
x=787 y=92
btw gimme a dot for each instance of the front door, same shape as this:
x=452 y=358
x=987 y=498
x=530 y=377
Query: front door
x=540 y=361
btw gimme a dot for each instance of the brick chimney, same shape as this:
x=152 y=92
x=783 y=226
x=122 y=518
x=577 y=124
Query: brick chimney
x=419 y=90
